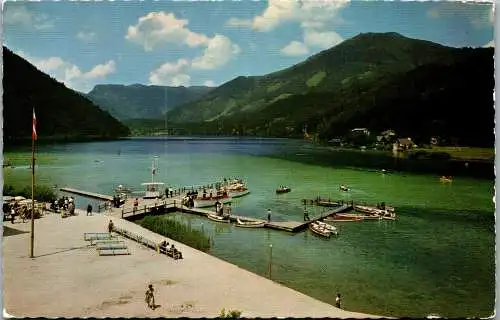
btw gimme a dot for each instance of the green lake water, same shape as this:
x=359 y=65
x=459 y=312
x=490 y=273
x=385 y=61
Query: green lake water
x=437 y=258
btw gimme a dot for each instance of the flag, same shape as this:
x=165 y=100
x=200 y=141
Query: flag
x=34 y=135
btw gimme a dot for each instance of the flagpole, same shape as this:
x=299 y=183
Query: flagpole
x=33 y=137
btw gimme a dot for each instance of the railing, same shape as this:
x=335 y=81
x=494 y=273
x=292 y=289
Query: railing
x=158 y=207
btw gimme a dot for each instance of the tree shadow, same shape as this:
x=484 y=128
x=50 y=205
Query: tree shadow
x=61 y=251
x=7 y=231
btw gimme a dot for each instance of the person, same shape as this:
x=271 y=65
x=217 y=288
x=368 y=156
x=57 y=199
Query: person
x=12 y=215
x=166 y=191
x=306 y=215
x=337 y=301
x=150 y=297
x=171 y=193
x=136 y=204
x=164 y=247
x=229 y=208
x=176 y=254
x=268 y=215
x=89 y=210
x=110 y=226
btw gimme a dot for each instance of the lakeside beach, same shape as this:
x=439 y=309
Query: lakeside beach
x=67 y=278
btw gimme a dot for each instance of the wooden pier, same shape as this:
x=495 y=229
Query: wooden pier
x=165 y=205
x=88 y=194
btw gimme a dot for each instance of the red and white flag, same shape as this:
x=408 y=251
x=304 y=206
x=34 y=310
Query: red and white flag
x=33 y=135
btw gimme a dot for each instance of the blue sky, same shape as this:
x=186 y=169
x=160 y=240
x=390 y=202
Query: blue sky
x=211 y=42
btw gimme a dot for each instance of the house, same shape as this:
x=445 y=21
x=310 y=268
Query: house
x=360 y=131
x=403 y=144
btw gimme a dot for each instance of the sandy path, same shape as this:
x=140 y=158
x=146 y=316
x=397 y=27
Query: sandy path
x=68 y=278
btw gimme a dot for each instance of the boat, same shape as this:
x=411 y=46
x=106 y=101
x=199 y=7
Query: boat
x=319 y=230
x=250 y=224
x=237 y=189
x=123 y=189
x=342 y=218
x=369 y=210
x=283 y=190
x=362 y=216
x=445 y=179
x=344 y=188
x=325 y=203
x=210 y=201
x=217 y=218
x=153 y=189
x=327 y=226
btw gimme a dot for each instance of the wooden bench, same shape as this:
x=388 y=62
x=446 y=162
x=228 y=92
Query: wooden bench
x=113 y=252
x=93 y=236
x=106 y=246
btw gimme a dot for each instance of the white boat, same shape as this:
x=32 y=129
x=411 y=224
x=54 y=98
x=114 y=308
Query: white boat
x=217 y=218
x=320 y=230
x=327 y=226
x=237 y=190
x=153 y=189
x=250 y=224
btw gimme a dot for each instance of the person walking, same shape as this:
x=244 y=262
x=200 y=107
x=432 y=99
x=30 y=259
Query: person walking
x=111 y=226
x=150 y=297
x=337 y=301
x=89 y=210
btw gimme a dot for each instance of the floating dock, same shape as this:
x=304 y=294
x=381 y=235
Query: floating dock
x=88 y=194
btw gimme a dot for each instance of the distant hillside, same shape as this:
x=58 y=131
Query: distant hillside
x=61 y=112
x=451 y=100
x=362 y=59
x=143 y=102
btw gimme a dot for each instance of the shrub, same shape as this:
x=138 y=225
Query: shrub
x=177 y=231
x=230 y=314
x=42 y=193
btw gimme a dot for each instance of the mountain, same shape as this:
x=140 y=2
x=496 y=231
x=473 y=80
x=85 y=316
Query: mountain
x=364 y=58
x=61 y=112
x=143 y=102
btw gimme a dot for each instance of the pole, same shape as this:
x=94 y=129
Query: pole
x=270 y=259
x=32 y=255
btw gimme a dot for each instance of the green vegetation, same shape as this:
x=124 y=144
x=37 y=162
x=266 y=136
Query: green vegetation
x=62 y=114
x=316 y=79
x=462 y=153
x=42 y=192
x=177 y=231
x=448 y=96
x=230 y=314
x=142 y=102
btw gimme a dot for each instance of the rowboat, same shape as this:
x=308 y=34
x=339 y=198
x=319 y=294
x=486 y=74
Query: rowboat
x=283 y=190
x=445 y=179
x=323 y=203
x=344 y=188
x=327 y=226
x=319 y=230
x=217 y=218
x=362 y=216
x=369 y=210
x=250 y=224
x=341 y=218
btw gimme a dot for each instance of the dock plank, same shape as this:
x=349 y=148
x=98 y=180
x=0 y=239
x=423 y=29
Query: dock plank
x=87 y=194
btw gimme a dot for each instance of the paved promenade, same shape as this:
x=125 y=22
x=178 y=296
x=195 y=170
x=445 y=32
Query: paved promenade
x=67 y=278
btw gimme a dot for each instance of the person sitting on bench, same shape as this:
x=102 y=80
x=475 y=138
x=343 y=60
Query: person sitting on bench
x=164 y=247
x=176 y=254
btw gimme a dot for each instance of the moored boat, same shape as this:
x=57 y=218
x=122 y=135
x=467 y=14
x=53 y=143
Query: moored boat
x=445 y=179
x=324 y=203
x=319 y=230
x=342 y=218
x=237 y=189
x=369 y=210
x=217 y=218
x=327 y=226
x=210 y=201
x=123 y=189
x=362 y=216
x=283 y=190
x=249 y=224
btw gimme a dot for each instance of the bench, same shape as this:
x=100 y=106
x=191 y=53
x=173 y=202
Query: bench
x=110 y=246
x=93 y=236
x=113 y=252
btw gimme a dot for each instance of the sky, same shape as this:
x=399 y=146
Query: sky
x=187 y=43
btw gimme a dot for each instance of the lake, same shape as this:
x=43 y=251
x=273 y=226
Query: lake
x=437 y=258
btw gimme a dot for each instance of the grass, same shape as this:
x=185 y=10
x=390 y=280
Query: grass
x=177 y=231
x=316 y=79
x=464 y=153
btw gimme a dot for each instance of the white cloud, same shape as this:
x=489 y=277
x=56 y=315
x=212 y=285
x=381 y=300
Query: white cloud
x=86 y=36
x=209 y=83
x=159 y=28
x=323 y=40
x=295 y=48
x=219 y=51
x=171 y=74
x=70 y=74
x=307 y=13
x=236 y=22
x=18 y=15
x=490 y=44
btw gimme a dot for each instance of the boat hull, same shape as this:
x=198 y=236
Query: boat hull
x=237 y=194
x=280 y=191
x=216 y=218
x=362 y=216
x=202 y=203
x=336 y=218
x=317 y=231
x=250 y=224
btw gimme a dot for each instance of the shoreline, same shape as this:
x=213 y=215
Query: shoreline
x=67 y=271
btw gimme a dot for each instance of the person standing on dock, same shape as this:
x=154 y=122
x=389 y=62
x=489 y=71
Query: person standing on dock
x=111 y=226
x=136 y=204
x=166 y=192
x=268 y=215
x=306 y=215
x=89 y=210
x=337 y=301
